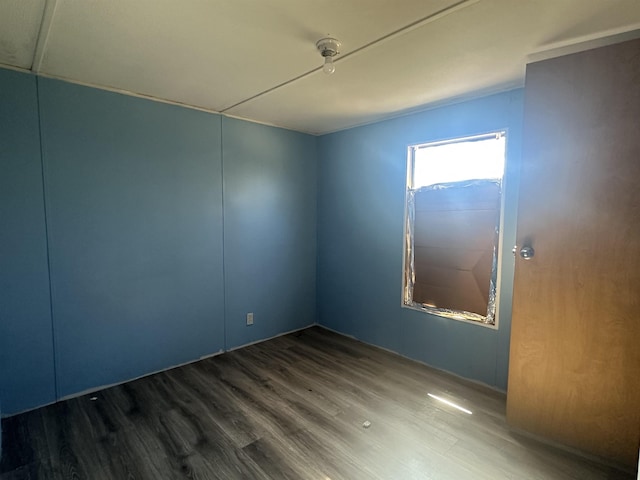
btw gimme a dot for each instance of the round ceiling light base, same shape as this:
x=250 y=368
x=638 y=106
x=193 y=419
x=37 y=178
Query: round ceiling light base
x=328 y=47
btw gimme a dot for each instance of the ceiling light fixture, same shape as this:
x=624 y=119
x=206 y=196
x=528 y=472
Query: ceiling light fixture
x=328 y=47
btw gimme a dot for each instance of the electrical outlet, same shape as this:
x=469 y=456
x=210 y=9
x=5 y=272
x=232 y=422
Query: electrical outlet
x=249 y=318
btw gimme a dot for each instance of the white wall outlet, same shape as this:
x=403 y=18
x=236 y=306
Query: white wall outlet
x=249 y=318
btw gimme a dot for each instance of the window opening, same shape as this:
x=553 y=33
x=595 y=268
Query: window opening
x=454 y=193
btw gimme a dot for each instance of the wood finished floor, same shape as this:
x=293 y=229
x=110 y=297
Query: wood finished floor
x=289 y=408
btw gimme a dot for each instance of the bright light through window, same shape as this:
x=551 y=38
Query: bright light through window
x=450 y=403
x=466 y=159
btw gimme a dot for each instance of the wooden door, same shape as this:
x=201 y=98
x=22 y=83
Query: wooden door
x=574 y=371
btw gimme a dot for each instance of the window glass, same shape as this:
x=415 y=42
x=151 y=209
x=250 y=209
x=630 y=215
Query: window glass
x=459 y=160
x=454 y=196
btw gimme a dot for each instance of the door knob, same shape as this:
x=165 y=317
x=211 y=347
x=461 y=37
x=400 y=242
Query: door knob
x=527 y=252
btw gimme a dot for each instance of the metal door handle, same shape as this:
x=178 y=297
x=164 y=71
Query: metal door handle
x=527 y=252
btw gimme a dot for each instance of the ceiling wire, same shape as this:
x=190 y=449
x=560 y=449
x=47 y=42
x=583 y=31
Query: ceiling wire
x=432 y=17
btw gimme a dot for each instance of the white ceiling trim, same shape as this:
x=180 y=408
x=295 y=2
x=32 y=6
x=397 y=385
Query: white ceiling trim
x=422 y=108
x=150 y=98
x=467 y=97
x=585 y=42
x=129 y=93
x=14 y=68
x=43 y=34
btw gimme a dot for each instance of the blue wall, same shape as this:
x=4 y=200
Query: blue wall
x=361 y=195
x=134 y=209
x=270 y=230
x=143 y=231
x=26 y=346
x=164 y=226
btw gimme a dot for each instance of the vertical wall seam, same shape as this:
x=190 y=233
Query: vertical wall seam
x=47 y=240
x=317 y=293
x=224 y=249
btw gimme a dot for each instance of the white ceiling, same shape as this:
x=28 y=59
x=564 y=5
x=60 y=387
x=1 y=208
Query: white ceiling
x=256 y=59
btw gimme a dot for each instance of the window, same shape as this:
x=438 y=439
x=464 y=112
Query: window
x=454 y=194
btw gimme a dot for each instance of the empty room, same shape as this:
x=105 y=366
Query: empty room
x=284 y=239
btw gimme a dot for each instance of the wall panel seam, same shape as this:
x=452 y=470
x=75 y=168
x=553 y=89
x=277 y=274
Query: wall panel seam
x=47 y=240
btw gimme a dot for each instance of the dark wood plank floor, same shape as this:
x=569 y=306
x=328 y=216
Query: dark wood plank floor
x=289 y=408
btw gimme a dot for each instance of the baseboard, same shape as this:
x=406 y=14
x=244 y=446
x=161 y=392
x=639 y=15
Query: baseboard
x=476 y=383
x=103 y=387
x=271 y=338
x=575 y=451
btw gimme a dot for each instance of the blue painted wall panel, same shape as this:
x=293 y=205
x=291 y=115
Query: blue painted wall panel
x=362 y=175
x=270 y=230
x=135 y=210
x=26 y=346
x=134 y=202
